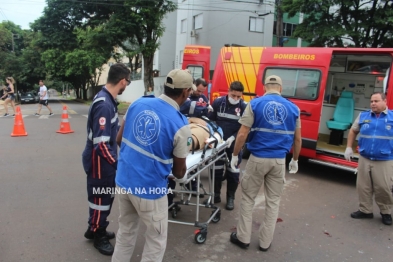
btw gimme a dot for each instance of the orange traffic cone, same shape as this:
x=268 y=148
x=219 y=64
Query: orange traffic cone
x=65 y=124
x=19 y=126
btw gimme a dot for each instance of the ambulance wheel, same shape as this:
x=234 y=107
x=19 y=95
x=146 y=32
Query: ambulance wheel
x=200 y=238
x=217 y=217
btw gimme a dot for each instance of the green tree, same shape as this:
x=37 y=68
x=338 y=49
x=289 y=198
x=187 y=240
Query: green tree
x=137 y=23
x=359 y=23
x=69 y=52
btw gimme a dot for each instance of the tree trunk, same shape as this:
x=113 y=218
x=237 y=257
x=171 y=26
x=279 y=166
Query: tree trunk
x=148 y=71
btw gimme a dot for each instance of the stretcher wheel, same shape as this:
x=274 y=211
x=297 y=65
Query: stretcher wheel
x=200 y=238
x=217 y=217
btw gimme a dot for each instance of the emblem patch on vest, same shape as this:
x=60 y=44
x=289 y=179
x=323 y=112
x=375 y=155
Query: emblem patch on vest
x=146 y=127
x=275 y=113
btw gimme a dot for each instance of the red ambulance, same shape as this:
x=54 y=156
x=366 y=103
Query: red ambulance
x=317 y=80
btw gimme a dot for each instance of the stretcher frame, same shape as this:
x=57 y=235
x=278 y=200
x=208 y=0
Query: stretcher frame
x=207 y=161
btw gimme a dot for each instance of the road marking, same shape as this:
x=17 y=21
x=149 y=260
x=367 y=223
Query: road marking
x=72 y=112
x=86 y=116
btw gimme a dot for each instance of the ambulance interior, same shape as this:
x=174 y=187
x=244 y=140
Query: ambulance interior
x=354 y=77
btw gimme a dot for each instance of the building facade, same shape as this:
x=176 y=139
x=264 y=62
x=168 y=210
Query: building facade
x=214 y=24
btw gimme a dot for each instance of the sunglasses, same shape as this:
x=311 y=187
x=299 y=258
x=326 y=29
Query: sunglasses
x=128 y=80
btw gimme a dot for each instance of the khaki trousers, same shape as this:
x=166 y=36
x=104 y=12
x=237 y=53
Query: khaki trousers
x=154 y=213
x=375 y=177
x=269 y=172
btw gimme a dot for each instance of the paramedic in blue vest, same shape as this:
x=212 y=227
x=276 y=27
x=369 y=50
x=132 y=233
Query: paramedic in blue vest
x=273 y=126
x=155 y=143
x=100 y=156
x=197 y=105
x=227 y=111
x=375 y=176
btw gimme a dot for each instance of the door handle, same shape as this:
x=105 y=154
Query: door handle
x=305 y=113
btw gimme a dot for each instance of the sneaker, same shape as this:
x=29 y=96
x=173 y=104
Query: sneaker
x=6 y=114
x=359 y=215
x=13 y=115
x=37 y=114
x=51 y=114
x=387 y=219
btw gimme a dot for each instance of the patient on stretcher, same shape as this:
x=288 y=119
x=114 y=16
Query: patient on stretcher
x=202 y=130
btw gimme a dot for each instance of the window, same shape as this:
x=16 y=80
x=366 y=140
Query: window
x=181 y=57
x=196 y=71
x=287 y=28
x=256 y=24
x=183 y=26
x=198 y=21
x=297 y=83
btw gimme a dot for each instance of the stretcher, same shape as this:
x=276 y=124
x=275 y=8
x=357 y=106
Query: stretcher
x=197 y=162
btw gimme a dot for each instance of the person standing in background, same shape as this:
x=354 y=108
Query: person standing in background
x=43 y=99
x=100 y=156
x=10 y=95
x=375 y=176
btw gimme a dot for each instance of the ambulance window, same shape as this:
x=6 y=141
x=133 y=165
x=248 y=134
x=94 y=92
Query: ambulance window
x=196 y=71
x=297 y=83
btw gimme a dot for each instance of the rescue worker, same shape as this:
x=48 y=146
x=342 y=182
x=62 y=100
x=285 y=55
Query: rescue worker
x=375 y=175
x=100 y=156
x=273 y=125
x=197 y=105
x=227 y=111
x=154 y=144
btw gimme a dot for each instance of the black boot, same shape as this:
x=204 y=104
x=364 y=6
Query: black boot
x=101 y=242
x=217 y=191
x=90 y=234
x=231 y=190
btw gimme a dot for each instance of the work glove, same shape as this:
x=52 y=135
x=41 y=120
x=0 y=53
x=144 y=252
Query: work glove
x=210 y=108
x=235 y=163
x=293 y=167
x=230 y=141
x=348 y=153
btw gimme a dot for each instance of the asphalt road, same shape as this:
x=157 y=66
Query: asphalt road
x=44 y=207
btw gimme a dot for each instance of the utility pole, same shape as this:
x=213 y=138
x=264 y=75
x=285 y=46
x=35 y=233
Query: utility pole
x=13 y=46
x=279 y=23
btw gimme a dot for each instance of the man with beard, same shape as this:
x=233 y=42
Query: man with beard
x=100 y=156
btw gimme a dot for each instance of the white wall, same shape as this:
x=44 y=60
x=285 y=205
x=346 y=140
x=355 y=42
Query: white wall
x=224 y=22
x=136 y=89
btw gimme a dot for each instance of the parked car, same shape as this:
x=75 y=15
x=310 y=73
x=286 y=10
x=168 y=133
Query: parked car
x=29 y=97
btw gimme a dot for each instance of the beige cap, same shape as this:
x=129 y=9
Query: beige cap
x=179 y=78
x=273 y=79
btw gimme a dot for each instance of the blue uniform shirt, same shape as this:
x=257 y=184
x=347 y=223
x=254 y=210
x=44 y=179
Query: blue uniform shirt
x=100 y=154
x=195 y=106
x=227 y=115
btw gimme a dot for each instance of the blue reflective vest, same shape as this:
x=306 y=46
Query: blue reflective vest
x=195 y=106
x=146 y=151
x=376 y=135
x=272 y=133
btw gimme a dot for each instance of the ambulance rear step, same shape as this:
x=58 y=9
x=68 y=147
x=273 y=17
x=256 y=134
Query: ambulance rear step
x=346 y=168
